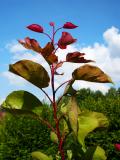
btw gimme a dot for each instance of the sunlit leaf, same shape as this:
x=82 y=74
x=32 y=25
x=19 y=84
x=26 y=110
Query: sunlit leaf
x=73 y=114
x=53 y=137
x=91 y=73
x=89 y=153
x=37 y=155
x=99 y=154
x=22 y=102
x=69 y=154
x=32 y=72
x=87 y=122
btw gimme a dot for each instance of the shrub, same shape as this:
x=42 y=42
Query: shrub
x=20 y=136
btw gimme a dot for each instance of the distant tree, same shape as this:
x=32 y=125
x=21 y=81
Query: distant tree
x=112 y=92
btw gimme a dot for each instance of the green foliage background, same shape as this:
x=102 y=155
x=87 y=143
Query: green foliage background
x=19 y=136
x=108 y=104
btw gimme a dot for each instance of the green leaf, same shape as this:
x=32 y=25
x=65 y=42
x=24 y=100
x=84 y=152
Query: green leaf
x=91 y=73
x=24 y=101
x=89 y=153
x=53 y=137
x=73 y=114
x=69 y=154
x=37 y=155
x=32 y=72
x=64 y=125
x=87 y=122
x=99 y=154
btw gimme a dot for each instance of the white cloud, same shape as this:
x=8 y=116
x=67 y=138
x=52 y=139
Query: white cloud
x=14 y=48
x=106 y=55
x=13 y=79
x=112 y=38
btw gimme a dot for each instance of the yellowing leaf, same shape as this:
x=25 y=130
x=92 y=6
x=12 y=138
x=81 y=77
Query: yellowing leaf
x=91 y=73
x=99 y=154
x=73 y=114
x=53 y=137
x=87 y=122
x=37 y=155
x=32 y=72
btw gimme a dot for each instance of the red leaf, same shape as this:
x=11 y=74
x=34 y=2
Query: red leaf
x=46 y=52
x=65 y=40
x=77 y=57
x=30 y=44
x=117 y=146
x=35 y=28
x=69 y=25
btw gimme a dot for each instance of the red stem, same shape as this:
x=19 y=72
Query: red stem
x=47 y=35
x=46 y=123
x=62 y=85
x=47 y=95
x=57 y=30
x=55 y=116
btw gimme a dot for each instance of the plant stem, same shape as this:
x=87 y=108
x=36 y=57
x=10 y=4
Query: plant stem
x=47 y=35
x=55 y=115
x=47 y=95
x=62 y=85
x=46 y=123
x=57 y=30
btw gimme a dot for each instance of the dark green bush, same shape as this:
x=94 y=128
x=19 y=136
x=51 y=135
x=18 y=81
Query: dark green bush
x=20 y=136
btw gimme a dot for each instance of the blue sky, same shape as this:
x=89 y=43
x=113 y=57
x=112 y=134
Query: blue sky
x=93 y=17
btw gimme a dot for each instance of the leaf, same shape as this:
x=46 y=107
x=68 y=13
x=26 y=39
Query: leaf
x=58 y=65
x=69 y=154
x=69 y=25
x=53 y=137
x=73 y=114
x=32 y=72
x=37 y=155
x=69 y=89
x=66 y=39
x=77 y=57
x=89 y=153
x=91 y=73
x=22 y=102
x=35 y=28
x=99 y=154
x=65 y=126
x=30 y=44
x=87 y=122
x=47 y=53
